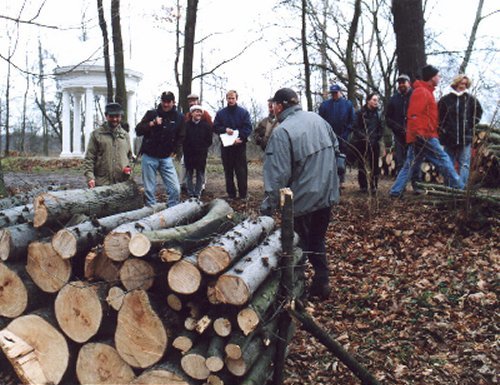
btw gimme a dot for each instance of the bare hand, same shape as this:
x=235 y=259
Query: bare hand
x=91 y=183
x=229 y=131
x=238 y=141
x=158 y=120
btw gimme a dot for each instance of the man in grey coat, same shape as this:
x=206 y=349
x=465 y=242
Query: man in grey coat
x=301 y=155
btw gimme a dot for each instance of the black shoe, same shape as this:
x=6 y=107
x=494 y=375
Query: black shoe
x=322 y=291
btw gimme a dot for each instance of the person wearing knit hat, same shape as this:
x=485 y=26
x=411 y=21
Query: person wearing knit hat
x=422 y=135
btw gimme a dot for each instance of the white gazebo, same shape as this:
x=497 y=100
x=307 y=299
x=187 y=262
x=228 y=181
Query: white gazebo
x=85 y=82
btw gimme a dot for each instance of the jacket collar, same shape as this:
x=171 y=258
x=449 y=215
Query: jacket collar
x=289 y=111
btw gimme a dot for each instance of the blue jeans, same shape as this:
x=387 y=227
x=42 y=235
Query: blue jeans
x=432 y=151
x=460 y=154
x=166 y=168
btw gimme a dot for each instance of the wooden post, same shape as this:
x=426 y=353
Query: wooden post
x=287 y=282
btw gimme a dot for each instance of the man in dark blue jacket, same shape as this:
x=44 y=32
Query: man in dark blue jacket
x=234 y=157
x=163 y=130
x=339 y=112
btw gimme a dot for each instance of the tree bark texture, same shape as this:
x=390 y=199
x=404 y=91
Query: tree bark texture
x=14 y=240
x=16 y=215
x=60 y=206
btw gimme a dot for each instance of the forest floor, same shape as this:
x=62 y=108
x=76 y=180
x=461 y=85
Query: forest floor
x=414 y=286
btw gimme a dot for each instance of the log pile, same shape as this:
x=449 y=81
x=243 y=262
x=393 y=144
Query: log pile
x=485 y=165
x=189 y=298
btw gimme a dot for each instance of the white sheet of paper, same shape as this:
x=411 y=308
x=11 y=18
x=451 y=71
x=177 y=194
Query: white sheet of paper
x=228 y=140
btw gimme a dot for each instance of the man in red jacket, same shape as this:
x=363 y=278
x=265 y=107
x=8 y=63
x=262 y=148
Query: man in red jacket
x=422 y=134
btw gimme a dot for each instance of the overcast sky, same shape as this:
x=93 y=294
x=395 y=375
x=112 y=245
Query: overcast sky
x=233 y=23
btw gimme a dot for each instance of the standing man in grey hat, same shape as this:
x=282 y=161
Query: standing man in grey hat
x=301 y=155
x=108 y=156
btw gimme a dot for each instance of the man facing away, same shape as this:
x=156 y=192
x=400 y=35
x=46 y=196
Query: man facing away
x=234 y=157
x=339 y=113
x=163 y=130
x=301 y=155
x=422 y=135
x=108 y=155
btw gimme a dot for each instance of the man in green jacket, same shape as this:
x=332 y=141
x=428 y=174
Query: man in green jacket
x=109 y=155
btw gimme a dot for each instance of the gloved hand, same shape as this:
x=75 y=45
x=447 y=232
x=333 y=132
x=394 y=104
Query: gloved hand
x=340 y=163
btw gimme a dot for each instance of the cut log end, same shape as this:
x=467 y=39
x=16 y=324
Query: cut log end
x=231 y=290
x=116 y=246
x=222 y=327
x=115 y=297
x=248 y=320
x=184 y=278
x=174 y=302
x=194 y=366
x=41 y=213
x=5 y=244
x=137 y=274
x=213 y=259
x=47 y=269
x=182 y=343
x=64 y=243
x=237 y=367
x=170 y=255
x=13 y=293
x=233 y=351
x=214 y=364
x=139 y=245
x=159 y=376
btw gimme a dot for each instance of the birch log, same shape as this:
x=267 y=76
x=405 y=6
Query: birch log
x=14 y=240
x=60 y=206
x=237 y=285
x=224 y=250
x=116 y=243
x=81 y=238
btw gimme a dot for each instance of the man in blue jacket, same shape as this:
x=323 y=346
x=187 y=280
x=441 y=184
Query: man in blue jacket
x=234 y=157
x=339 y=112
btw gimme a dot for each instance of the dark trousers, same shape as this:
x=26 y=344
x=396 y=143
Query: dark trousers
x=234 y=161
x=368 y=168
x=311 y=229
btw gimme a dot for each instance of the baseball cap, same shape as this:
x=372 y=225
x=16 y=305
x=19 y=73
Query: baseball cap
x=167 y=96
x=335 y=88
x=286 y=96
x=403 y=78
x=113 y=109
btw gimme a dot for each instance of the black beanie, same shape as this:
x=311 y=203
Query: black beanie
x=428 y=72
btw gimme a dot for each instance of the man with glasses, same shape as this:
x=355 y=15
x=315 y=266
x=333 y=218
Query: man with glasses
x=163 y=132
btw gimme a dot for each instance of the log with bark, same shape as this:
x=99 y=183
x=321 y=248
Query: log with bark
x=60 y=206
x=81 y=238
x=97 y=266
x=116 y=243
x=14 y=240
x=218 y=217
x=82 y=311
x=100 y=363
x=24 y=198
x=221 y=252
x=215 y=354
x=46 y=268
x=238 y=284
x=18 y=293
x=16 y=215
x=35 y=348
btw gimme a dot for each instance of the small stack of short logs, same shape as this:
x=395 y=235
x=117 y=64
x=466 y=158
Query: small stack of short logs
x=97 y=289
x=485 y=166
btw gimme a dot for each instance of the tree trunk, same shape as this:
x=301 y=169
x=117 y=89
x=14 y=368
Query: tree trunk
x=116 y=243
x=82 y=311
x=105 y=48
x=60 y=206
x=262 y=369
x=16 y=215
x=100 y=363
x=3 y=189
x=79 y=239
x=221 y=252
x=18 y=293
x=187 y=61
x=140 y=337
x=219 y=215
x=409 y=29
x=472 y=38
x=36 y=349
x=305 y=55
x=237 y=285
x=121 y=91
x=14 y=240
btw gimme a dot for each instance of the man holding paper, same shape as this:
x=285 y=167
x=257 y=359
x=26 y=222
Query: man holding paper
x=233 y=125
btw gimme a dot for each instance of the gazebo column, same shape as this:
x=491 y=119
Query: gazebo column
x=89 y=114
x=77 y=125
x=131 y=118
x=66 y=125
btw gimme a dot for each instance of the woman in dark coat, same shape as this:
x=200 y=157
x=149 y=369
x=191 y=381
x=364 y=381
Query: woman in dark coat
x=198 y=140
x=459 y=112
x=366 y=135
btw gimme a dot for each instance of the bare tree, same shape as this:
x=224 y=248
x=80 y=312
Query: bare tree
x=305 y=55
x=187 y=61
x=121 y=91
x=45 y=128
x=105 y=39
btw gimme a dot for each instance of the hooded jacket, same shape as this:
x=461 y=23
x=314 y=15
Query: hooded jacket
x=459 y=112
x=300 y=154
x=422 y=117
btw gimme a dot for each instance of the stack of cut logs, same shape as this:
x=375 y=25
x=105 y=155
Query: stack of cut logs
x=485 y=167
x=387 y=164
x=97 y=289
